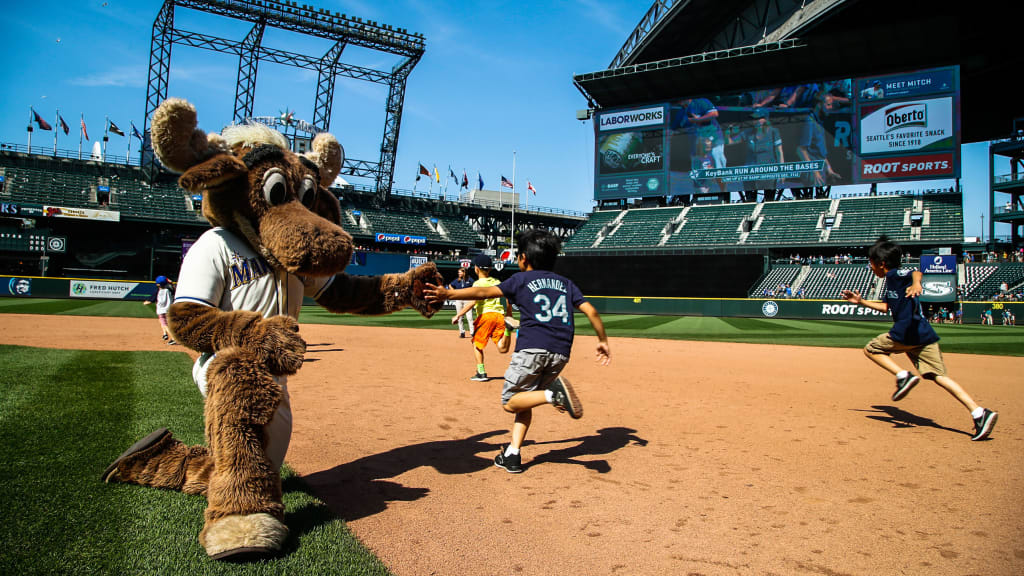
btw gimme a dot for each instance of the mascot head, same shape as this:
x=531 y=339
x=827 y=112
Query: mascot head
x=254 y=186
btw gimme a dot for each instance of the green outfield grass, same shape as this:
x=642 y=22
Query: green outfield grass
x=65 y=415
x=966 y=339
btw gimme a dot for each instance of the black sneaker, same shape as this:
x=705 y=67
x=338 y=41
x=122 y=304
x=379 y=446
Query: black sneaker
x=479 y=377
x=903 y=386
x=563 y=396
x=462 y=334
x=171 y=342
x=512 y=464
x=984 y=424
x=164 y=336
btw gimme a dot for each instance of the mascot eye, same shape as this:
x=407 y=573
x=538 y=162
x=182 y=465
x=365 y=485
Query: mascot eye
x=307 y=192
x=275 y=187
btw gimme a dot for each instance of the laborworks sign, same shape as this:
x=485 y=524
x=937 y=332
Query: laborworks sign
x=938 y=264
x=632 y=118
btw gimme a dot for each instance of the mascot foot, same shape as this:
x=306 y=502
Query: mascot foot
x=244 y=538
x=147 y=443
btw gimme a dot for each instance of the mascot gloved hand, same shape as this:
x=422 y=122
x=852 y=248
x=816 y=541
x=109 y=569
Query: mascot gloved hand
x=276 y=238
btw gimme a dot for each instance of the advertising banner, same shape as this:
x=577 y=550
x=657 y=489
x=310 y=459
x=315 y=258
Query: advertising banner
x=908 y=167
x=81 y=213
x=938 y=264
x=938 y=287
x=100 y=289
x=639 y=151
x=907 y=126
x=401 y=239
x=621 y=119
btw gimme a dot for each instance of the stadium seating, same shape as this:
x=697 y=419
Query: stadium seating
x=1012 y=273
x=944 y=218
x=784 y=274
x=975 y=274
x=828 y=280
x=640 y=227
x=789 y=223
x=711 y=225
x=864 y=219
x=588 y=232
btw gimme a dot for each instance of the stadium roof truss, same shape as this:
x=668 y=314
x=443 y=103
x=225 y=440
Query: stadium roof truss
x=684 y=48
x=338 y=28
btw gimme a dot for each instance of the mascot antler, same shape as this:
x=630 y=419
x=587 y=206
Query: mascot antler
x=177 y=140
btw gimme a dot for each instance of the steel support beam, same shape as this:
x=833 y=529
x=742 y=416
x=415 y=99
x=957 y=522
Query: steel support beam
x=159 y=70
x=248 y=65
x=325 y=86
x=392 y=125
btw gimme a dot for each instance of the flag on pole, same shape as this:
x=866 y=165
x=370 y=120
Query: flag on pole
x=43 y=125
x=437 y=175
x=481 y=180
x=84 y=131
x=136 y=133
x=465 y=180
x=63 y=124
x=423 y=171
x=115 y=129
x=531 y=188
x=451 y=174
x=505 y=182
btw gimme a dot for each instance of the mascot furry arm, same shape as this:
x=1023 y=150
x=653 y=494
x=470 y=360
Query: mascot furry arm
x=276 y=238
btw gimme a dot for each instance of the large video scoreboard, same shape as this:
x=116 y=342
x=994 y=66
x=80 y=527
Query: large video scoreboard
x=899 y=127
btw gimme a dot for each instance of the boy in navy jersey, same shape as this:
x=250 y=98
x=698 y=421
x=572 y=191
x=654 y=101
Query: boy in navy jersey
x=546 y=302
x=911 y=333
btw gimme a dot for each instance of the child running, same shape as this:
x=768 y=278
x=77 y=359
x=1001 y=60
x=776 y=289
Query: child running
x=163 y=302
x=911 y=333
x=490 y=316
x=546 y=302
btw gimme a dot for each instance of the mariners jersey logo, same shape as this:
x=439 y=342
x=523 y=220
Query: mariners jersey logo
x=247 y=270
x=770 y=308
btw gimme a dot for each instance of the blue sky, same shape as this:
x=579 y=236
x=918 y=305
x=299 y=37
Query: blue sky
x=496 y=78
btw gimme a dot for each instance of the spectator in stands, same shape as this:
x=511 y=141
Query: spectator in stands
x=461 y=281
x=911 y=334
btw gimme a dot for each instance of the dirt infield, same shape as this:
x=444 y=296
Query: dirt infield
x=692 y=458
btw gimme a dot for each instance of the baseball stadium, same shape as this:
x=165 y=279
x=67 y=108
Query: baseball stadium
x=746 y=157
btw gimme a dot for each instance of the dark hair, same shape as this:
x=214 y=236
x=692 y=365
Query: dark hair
x=886 y=252
x=540 y=247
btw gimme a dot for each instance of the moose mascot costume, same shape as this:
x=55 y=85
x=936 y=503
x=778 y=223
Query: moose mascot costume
x=276 y=238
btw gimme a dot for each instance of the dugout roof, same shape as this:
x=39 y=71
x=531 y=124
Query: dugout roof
x=852 y=38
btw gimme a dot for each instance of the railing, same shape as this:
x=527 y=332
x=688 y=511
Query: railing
x=1007 y=178
x=362 y=188
x=73 y=154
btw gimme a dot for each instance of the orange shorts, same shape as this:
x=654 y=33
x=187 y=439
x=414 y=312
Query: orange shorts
x=488 y=326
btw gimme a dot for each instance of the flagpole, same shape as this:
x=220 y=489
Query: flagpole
x=512 y=236
x=131 y=135
x=446 y=178
x=106 y=132
x=31 y=115
x=56 y=128
x=80 y=124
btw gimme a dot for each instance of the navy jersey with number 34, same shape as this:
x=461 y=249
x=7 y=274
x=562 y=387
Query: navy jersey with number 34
x=546 y=304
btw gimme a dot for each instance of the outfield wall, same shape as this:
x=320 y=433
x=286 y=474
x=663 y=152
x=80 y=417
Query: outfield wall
x=758 y=308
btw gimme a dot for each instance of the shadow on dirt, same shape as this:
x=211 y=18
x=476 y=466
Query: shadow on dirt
x=903 y=419
x=606 y=441
x=357 y=489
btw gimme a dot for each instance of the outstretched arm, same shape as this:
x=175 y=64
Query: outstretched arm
x=854 y=297
x=438 y=293
x=375 y=295
x=604 y=352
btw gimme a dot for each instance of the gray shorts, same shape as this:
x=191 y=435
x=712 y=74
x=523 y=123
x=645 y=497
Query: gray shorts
x=531 y=369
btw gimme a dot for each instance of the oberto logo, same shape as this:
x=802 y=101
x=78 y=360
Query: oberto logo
x=906 y=116
x=770 y=308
